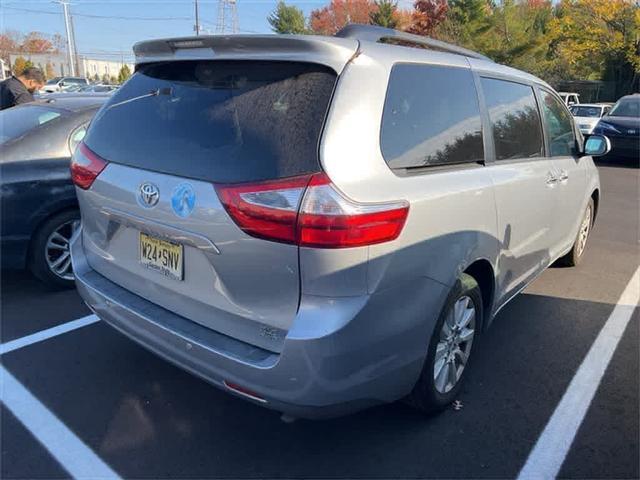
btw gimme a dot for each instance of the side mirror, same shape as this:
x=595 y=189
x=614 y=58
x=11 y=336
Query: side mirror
x=597 y=145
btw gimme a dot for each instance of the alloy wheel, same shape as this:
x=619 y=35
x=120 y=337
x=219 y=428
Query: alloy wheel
x=57 y=251
x=585 y=227
x=454 y=345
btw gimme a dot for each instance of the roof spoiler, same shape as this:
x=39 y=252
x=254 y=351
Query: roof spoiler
x=373 y=33
x=329 y=51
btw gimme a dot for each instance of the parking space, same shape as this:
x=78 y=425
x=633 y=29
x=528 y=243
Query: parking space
x=145 y=418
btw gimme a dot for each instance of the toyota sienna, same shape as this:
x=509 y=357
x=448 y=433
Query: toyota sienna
x=321 y=224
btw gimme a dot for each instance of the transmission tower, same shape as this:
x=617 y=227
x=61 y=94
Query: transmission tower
x=227 y=17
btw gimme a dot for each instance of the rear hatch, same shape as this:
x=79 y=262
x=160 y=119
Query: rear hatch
x=179 y=139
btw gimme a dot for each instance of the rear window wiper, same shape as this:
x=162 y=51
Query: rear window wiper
x=152 y=93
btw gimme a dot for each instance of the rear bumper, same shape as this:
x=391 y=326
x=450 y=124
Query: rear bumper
x=341 y=354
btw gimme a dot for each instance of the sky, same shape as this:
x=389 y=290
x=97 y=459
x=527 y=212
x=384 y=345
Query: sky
x=130 y=21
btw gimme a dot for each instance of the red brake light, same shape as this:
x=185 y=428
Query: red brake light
x=268 y=209
x=328 y=219
x=309 y=211
x=85 y=166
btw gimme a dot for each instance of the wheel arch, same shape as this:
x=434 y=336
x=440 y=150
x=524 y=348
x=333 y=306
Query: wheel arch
x=482 y=272
x=595 y=196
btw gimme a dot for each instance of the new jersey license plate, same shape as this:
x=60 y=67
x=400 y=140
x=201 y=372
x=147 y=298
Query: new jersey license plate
x=162 y=256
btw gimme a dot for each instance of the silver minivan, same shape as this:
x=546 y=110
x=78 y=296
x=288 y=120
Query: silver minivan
x=321 y=224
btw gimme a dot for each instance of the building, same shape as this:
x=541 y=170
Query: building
x=57 y=65
x=4 y=70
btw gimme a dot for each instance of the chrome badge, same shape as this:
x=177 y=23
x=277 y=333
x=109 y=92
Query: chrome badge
x=183 y=200
x=148 y=195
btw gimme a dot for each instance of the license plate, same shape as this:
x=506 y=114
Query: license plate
x=162 y=256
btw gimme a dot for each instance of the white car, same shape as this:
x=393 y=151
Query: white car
x=59 y=84
x=587 y=115
x=570 y=98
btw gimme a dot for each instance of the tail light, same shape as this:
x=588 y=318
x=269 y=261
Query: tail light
x=85 y=166
x=309 y=211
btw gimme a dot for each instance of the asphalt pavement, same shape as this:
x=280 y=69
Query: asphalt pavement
x=145 y=418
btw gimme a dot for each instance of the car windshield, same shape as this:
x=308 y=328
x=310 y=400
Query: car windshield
x=15 y=122
x=627 y=107
x=53 y=81
x=583 y=111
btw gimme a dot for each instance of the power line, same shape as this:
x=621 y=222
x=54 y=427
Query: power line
x=88 y=15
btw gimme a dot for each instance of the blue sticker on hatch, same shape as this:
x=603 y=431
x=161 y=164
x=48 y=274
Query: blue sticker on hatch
x=183 y=200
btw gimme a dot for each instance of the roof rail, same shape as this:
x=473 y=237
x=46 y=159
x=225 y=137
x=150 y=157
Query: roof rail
x=373 y=33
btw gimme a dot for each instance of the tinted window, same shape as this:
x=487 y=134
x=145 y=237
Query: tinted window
x=15 y=122
x=232 y=121
x=515 y=119
x=431 y=117
x=559 y=125
x=626 y=107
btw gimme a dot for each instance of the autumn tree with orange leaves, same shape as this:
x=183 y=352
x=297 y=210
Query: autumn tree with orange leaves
x=330 y=19
x=427 y=16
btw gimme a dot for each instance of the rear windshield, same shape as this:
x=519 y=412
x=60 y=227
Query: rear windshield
x=15 y=122
x=586 y=111
x=220 y=121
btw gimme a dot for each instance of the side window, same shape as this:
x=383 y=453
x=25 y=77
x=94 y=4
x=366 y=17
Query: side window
x=559 y=125
x=431 y=117
x=517 y=131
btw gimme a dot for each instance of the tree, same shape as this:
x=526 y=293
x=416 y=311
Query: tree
x=96 y=78
x=9 y=43
x=385 y=14
x=596 y=40
x=20 y=65
x=124 y=73
x=112 y=80
x=287 y=19
x=105 y=79
x=328 y=20
x=427 y=15
x=35 y=42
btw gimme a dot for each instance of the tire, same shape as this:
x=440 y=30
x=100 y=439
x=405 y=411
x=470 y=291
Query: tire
x=42 y=258
x=429 y=395
x=574 y=257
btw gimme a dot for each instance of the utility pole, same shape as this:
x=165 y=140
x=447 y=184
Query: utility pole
x=197 y=27
x=70 y=40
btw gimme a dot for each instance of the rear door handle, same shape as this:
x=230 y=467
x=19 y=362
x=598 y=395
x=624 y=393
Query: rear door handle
x=551 y=179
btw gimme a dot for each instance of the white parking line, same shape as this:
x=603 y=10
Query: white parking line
x=47 y=334
x=71 y=452
x=550 y=451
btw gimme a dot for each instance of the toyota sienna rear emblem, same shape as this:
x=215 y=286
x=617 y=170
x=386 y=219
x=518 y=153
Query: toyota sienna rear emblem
x=149 y=195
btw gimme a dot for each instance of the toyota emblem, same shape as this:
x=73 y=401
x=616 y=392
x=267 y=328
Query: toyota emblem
x=149 y=195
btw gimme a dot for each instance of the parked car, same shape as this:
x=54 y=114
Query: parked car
x=38 y=200
x=622 y=126
x=98 y=88
x=316 y=245
x=570 y=98
x=58 y=84
x=587 y=115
